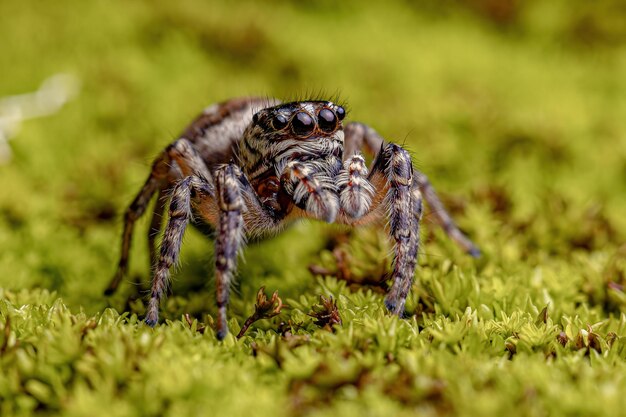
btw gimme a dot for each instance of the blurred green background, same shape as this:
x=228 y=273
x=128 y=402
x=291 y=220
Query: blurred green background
x=515 y=109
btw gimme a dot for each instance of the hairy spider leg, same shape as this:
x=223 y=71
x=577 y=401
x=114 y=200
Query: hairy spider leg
x=240 y=210
x=156 y=223
x=179 y=217
x=188 y=159
x=179 y=157
x=156 y=180
x=393 y=171
x=442 y=217
x=359 y=135
x=229 y=240
x=404 y=217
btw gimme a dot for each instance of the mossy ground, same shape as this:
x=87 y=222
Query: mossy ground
x=516 y=111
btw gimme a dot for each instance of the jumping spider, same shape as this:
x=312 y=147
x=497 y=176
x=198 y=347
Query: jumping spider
x=250 y=166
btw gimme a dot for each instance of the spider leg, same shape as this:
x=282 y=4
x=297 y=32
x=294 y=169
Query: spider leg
x=179 y=157
x=188 y=162
x=179 y=216
x=187 y=158
x=442 y=217
x=229 y=238
x=393 y=170
x=160 y=169
x=156 y=223
x=311 y=190
x=359 y=135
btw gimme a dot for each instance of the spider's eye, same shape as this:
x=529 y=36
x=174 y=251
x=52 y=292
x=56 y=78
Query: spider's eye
x=341 y=112
x=302 y=124
x=255 y=118
x=327 y=120
x=279 y=122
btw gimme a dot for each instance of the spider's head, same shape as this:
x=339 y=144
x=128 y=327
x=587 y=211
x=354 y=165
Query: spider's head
x=306 y=121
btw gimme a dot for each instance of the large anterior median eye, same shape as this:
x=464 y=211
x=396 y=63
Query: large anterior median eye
x=279 y=122
x=327 y=120
x=302 y=124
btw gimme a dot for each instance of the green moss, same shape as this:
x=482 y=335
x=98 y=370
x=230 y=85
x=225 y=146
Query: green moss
x=515 y=110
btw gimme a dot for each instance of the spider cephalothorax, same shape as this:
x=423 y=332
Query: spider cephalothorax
x=251 y=166
x=298 y=138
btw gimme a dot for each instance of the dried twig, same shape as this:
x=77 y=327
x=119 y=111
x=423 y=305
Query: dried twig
x=263 y=309
x=326 y=313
